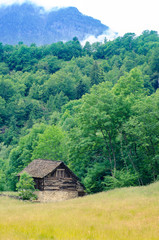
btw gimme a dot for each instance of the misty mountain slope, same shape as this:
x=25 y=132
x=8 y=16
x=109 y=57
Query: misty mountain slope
x=20 y=23
x=32 y=24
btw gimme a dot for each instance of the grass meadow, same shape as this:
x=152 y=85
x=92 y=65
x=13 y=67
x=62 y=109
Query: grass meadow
x=122 y=214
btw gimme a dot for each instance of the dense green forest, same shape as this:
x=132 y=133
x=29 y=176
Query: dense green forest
x=95 y=107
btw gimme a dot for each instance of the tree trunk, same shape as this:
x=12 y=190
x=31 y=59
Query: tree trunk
x=107 y=147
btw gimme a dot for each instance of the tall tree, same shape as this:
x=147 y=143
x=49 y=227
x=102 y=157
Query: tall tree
x=51 y=144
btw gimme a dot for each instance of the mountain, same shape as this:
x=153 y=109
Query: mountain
x=32 y=24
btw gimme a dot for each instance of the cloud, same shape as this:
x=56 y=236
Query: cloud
x=9 y=2
x=109 y=35
x=47 y=4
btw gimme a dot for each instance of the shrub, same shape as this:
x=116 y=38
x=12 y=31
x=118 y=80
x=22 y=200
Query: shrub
x=2 y=181
x=122 y=178
x=25 y=187
x=94 y=178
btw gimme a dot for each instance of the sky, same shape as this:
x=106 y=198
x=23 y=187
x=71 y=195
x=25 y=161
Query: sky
x=122 y=16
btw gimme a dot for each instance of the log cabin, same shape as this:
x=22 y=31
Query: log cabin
x=54 y=180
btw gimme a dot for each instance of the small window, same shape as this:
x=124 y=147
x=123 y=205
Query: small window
x=60 y=173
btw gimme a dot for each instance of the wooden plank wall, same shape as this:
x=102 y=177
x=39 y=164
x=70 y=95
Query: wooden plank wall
x=58 y=184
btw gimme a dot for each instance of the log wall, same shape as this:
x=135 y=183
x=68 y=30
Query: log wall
x=52 y=183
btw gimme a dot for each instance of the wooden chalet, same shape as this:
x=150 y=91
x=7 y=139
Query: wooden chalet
x=54 y=176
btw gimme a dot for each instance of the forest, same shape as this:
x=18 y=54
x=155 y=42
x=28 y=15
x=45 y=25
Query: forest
x=94 y=107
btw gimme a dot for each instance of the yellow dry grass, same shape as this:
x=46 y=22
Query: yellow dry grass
x=121 y=214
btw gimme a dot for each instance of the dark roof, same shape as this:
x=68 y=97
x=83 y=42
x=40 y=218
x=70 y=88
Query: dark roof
x=40 y=168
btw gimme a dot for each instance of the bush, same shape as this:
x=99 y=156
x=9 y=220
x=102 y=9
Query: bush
x=2 y=181
x=94 y=178
x=122 y=178
x=25 y=187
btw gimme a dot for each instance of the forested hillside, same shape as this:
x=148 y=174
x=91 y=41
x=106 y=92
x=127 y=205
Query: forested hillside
x=94 y=107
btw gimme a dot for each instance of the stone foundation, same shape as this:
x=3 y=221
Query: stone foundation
x=55 y=196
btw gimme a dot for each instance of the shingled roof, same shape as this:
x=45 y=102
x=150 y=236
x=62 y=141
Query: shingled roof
x=40 y=168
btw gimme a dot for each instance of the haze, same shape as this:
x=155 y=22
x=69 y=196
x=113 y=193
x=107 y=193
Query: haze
x=121 y=16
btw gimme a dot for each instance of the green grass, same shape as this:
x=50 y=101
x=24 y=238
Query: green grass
x=121 y=214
